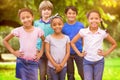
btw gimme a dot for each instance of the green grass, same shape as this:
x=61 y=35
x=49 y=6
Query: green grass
x=111 y=70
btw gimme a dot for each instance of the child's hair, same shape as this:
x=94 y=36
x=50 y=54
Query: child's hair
x=88 y=14
x=71 y=7
x=45 y=4
x=25 y=10
x=55 y=16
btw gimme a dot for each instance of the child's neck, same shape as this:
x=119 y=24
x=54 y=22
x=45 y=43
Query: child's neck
x=71 y=22
x=93 y=29
x=57 y=35
x=45 y=19
x=28 y=28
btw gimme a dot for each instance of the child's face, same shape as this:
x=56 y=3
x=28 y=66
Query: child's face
x=26 y=18
x=57 y=25
x=94 y=19
x=46 y=12
x=71 y=15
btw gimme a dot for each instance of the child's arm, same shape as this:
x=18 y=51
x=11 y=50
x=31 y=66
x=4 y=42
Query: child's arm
x=113 y=43
x=67 y=55
x=40 y=53
x=74 y=40
x=57 y=66
x=47 y=47
x=8 y=46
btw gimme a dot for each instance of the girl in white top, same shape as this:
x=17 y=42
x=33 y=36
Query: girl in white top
x=93 y=53
x=57 y=50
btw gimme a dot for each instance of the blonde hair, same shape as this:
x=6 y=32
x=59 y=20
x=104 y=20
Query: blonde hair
x=45 y=4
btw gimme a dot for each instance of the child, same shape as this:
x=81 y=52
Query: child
x=45 y=9
x=27 y=55
x=57 y=50
x=93 y=53
x=71 y=28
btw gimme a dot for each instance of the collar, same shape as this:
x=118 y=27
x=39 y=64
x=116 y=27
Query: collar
x=97 y=32
x=44 y=21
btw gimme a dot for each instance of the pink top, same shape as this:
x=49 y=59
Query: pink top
x=92 y=43
x=28 y=41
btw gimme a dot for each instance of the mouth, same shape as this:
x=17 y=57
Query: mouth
x=94 y=24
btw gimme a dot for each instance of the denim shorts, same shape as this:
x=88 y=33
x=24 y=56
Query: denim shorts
x=26 y=69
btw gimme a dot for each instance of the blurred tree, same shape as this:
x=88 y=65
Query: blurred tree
x=110 y=10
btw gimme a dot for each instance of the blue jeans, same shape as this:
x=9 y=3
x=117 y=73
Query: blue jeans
x=43 y=68
x=26 y=69
x=70 y=66
x=93 y=70
x=57 y=76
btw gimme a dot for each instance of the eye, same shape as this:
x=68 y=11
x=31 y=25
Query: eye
x=22 y=18
x=74 y=13
x=53 y=24
x=27 y=16
x=96 y=18
x=91 y=18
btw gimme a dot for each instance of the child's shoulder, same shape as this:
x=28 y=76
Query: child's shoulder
x=66 y=36
x=37 y=28
x=37 y=23
x=84 y=30
x=18 y=28
x=102 y=31
x=48 y=35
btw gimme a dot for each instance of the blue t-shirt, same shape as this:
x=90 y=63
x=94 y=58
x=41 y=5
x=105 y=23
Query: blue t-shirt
x=45 y=27
x=71 y=30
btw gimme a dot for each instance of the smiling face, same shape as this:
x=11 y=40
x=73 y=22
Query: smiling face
x=26 y=18
x=57 y=25
x=46 y=12
x=71 y=15
x=94 y=20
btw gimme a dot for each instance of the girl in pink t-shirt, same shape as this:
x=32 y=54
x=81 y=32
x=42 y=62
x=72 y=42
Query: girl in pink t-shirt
x=93 y=36
x=27 y=55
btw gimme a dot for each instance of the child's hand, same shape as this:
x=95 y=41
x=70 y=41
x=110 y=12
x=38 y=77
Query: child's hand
x=37 y=56
x=83 y=54
x=18 y=54
x=101 y=53
x=58 y=68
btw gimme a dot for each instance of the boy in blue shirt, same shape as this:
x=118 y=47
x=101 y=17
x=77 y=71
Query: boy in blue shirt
x=71 y=28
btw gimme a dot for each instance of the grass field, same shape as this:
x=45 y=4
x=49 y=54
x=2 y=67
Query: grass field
x=111 y=71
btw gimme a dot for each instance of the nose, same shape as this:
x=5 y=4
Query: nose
x=25 y=20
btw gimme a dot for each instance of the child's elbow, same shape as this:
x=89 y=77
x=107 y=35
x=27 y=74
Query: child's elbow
x=4 y=41
x=71 y=42
x=115 y=45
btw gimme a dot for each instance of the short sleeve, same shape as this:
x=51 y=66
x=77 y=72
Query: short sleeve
x=15 y=32
x=81 y=32
x=68 y=39
x=47 y=39
x=105 y=34
x=40 y=32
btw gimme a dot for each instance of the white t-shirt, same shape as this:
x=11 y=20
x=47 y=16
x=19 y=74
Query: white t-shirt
x=92 y=43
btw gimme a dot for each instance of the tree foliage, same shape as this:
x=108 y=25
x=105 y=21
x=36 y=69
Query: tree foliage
x=109 y=9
